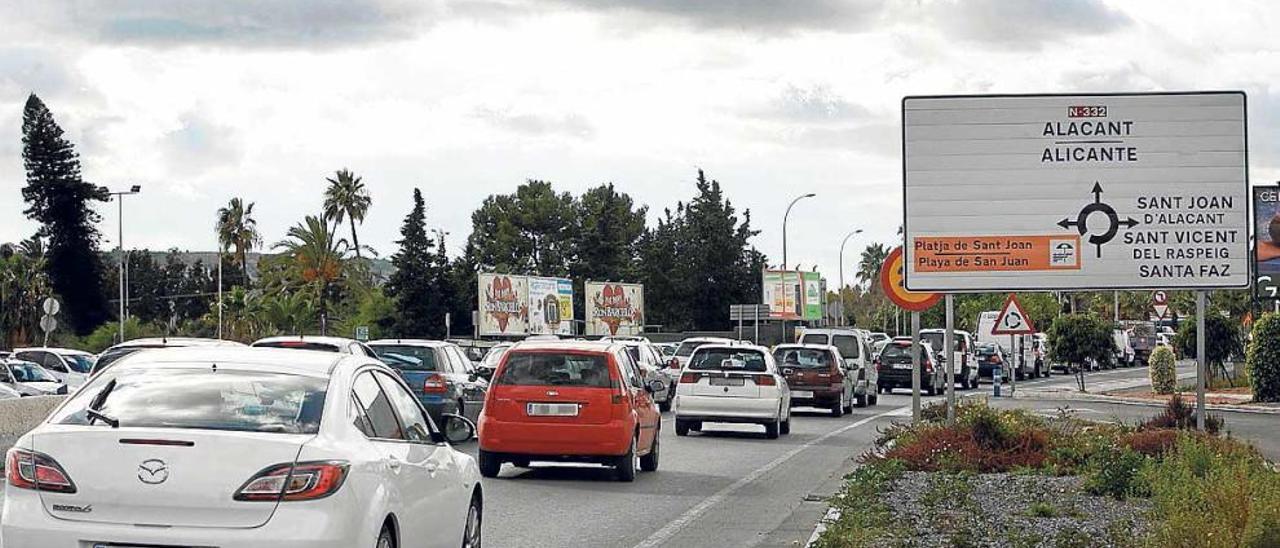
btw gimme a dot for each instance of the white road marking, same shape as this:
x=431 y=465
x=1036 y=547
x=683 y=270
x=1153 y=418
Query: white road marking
x=678 y=524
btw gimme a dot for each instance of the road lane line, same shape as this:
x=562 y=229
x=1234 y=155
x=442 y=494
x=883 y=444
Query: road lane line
x=678 y=524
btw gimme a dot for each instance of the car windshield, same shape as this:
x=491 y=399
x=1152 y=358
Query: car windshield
x=26 y=371
x=728 y=359
x=79 y=363
x=686 y=348
x=986 y=349
x=896 y=351
x=112 y=355
x=203 y=399
x=299 y=345
x=407 y=358
x=803 y=358
x=555 y=369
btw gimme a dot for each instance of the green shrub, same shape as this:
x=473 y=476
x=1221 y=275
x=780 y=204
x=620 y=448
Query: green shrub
x=1117 y=474
x=1180 y=415
x=1164 y=375
x=1263 y=360
x=1222 y=342
x=1043 y=509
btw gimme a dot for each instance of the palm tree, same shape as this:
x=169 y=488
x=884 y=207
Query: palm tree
x=347 y=198
x=317 y=257
x=237 y=228
x=873 y=258
x=23 y=286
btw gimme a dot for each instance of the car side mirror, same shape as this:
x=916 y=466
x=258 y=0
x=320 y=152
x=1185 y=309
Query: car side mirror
x=458 y=429
x=654 y=386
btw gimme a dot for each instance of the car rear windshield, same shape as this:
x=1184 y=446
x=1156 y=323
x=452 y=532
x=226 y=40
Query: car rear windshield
x=299 y=345
x=728 y=359
x=115 y=354
x=79 y=363
x=686 y=348
x=814 y=338
x=407 y=358
x=202 y=399
x=555 y=369
x=896 y=351
x=804 y=358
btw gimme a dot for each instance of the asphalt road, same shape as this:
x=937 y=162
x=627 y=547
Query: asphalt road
x=732 y=487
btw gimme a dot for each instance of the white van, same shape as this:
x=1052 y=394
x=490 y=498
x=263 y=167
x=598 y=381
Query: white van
x=963 y=366
x=855 y=348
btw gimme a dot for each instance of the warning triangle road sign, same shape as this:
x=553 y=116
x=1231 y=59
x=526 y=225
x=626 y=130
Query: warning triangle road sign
x=1012 y=319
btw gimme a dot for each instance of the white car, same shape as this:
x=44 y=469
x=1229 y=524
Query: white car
x=119 y=351
x=318 y=343
x=70 y=366
x=687 y=346
x=651 y=362
x=963 y=366
x=241 y=447
x=733 y=384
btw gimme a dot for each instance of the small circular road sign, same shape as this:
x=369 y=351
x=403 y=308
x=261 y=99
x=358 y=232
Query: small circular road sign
x=891 y=283
x=48 y=323
x=52 y=306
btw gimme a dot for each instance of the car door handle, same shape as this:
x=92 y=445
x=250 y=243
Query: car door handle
x=393 y=464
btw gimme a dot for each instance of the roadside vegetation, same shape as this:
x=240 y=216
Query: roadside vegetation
x=1014 y=478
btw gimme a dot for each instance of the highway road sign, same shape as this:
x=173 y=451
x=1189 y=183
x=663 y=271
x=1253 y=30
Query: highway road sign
x=1012 y=319
x=748 y=312
x=891 y=283
x=362 y=333
x=1076 y=192
x=51 y=306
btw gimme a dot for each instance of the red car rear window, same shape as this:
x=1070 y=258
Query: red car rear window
x=555 y=369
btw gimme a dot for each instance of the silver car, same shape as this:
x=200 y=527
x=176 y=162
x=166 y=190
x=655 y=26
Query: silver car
x=655 y=368
x=29 y=379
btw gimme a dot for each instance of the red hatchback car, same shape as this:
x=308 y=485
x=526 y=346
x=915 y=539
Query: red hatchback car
x=569 y=402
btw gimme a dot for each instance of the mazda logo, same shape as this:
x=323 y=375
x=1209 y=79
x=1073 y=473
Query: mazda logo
x=153 y=472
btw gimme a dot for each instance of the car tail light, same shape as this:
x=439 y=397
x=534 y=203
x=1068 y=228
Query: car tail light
x=766 y=380
x=292 y=482
x=435 y=384
x=690 y=378
x=674 y=363
x=37 y=471
x=878 y=364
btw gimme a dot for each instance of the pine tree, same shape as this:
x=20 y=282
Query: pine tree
x=60 y=201
x=419 y=286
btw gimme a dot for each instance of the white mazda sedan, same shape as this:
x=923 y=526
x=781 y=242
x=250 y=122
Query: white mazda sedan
x=226 y=447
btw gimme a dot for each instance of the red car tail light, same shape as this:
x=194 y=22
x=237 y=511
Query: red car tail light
x=37 y=471
x=690 y=378
x=766 y=380
x=674 y=363
x=435 y=384
x=292 y=482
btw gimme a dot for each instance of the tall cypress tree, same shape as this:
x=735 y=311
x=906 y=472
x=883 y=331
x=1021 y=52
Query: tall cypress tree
x=60 y=201
x=419 y=286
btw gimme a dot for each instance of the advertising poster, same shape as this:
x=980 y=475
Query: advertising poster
x=614 y=308
x=550 y=306
x=784 y=294
x=812 y=296
x=1266 y=213
x=504 y=305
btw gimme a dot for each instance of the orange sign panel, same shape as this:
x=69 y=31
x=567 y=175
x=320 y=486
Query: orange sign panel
x=891 y=284
x=996 y=253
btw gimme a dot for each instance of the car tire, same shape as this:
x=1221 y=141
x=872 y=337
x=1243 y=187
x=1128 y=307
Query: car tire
x=837 y=409
x=624 y=467
x=785 y=427
x=472 y=534
x=848 y=406
x=386 y=538
x=932 y=389
x=682 y=428
x=649 y=462
x=873 y=399
x=664 y=406
x=771 y=429
x=860 y=401
x=490 y=464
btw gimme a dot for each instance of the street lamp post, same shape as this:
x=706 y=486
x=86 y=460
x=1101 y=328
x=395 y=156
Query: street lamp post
x=841 y=288
x=120 y=241
x=784 y=226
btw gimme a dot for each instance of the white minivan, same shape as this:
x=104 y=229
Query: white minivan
x=855 y=348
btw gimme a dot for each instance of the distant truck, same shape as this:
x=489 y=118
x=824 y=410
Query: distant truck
x=1142 y=337
x=1025 y=360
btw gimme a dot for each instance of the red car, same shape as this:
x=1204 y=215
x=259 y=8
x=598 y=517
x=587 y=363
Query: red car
x=569 y=402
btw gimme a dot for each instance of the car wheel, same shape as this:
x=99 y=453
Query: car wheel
x=386 y=539
x=771 y=429
x=837 y=408
x=848 y=406
x=682 y=428
x=932 y=389
x=785 y=427
x=489 y=464
x=860 y=401
x=649 y=463
x=471 y=536
x=665 y=406
x=873 y=399
x=624 y=468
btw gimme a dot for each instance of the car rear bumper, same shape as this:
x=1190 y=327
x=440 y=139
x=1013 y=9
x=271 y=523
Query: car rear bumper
x=823 y=396
x=25 y=523
x=528 y=438
x=899 y=377
x=713 y=408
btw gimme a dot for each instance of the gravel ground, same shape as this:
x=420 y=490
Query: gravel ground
x=1010 y=510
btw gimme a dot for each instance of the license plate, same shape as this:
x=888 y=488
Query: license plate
x=552 y=409
x=902 y=366
x=802 y=393
x=730 y=381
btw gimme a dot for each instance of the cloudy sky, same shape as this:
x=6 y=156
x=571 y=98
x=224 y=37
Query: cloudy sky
x=202 y=100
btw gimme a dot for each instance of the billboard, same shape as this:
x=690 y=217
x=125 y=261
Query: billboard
x=1075 y=192
x=550 y=306
x=614 y=308
x=793 y=295
x=813 y=296
x=1266 y=252
x=504 y=305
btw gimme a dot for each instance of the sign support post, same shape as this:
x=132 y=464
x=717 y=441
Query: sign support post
x=949 y=354
x=915 y=367
x=756 y=340
x=1200 y=361
x=1014 y=356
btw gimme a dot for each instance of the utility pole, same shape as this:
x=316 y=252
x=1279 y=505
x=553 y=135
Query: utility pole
x=120 y=240
x=843 y=315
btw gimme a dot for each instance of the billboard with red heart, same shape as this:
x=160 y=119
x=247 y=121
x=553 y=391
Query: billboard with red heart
x=504 y=304
x=614 y=308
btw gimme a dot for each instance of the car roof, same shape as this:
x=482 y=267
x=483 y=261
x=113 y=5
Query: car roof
x=54 y=350
x=336 y=341
x=176 y=342
x=412 y=342
x=941 y=330
x=305 y=362
x=580 y=346
x=733 y=347
x=801 y=345
x=708 y=340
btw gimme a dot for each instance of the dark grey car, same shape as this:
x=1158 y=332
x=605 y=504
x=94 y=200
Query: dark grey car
x=439 y=373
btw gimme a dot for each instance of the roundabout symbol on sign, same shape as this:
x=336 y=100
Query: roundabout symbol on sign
x=1081 y=222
